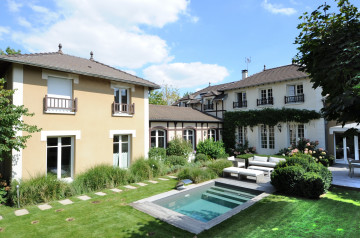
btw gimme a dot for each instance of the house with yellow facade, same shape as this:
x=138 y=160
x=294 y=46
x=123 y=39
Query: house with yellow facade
x=89 y=114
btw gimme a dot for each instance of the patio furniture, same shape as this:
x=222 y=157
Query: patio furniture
x=352 y=165
x=264 y=161
x=242 y=173
x=240 y=163
x=268 y=170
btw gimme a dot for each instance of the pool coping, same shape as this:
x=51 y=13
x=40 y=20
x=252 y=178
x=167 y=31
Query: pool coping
x=184 y=222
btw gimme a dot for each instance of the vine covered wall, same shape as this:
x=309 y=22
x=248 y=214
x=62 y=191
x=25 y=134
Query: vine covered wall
x=266 y=116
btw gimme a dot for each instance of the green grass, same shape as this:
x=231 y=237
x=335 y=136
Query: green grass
x=335 y=215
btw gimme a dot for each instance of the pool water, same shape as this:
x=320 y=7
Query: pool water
x=207 y=202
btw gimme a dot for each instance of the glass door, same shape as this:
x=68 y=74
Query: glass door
x=60 y=159
x=121 y=151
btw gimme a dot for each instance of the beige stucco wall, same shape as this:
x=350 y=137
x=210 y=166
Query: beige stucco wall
x=93 y=119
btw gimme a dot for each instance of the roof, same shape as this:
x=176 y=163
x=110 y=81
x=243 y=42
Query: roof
x=73 y=64
x=344 y=128
x=278 y=74
x=173 y=113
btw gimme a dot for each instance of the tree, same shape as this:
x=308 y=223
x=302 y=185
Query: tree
x=156 y=97
x=329 y=51
x=166 y=96
x=10 y=51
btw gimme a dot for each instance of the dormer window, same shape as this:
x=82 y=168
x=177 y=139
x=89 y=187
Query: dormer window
x=208 y=104
x=295 y=94
x=121 y=104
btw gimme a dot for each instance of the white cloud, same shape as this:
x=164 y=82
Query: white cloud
x=23 y=22
x=186 y=75
x=112 y=29
x=277 y=8
x=13 y=6
x=3 y=31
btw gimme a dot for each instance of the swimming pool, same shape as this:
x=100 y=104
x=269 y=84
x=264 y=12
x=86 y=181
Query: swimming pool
x=208 y=202
x=202 y=206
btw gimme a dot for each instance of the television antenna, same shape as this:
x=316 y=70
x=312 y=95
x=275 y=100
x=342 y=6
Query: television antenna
x=247 y=62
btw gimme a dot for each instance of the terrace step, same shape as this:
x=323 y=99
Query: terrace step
x=232 y=196
x=244 y=194
x=227 y=202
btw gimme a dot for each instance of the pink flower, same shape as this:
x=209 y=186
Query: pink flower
x=321 y=149
x=306 y=151
x=308 y=144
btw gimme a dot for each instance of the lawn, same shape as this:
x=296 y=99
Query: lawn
x=335 y=215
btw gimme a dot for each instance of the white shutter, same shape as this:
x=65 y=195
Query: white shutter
x=59 y=87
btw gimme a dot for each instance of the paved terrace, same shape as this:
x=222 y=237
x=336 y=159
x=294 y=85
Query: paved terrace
x=341 y=176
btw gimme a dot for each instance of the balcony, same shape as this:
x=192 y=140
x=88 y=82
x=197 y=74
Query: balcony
x=265 y=101
x=60 y=105
x=209 y=106
x=123 y=108
x=294 y=99
x=240 y=104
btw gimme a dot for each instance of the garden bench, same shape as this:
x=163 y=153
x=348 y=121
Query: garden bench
x=268 y=170
x=242 y=173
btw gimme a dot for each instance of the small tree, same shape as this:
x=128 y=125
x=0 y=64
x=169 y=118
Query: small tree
x=156 y=98
x=10 y=123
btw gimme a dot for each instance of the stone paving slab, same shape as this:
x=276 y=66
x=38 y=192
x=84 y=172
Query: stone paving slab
x=163 y=179
x=1 y=217
x=174 y=177
x=100 y=193
x=130 y=187
x=141 y=184
x=21 y=212
x=116 y=190
x=152 y=181
x=66 y=202
x=44 y=206
x=84 y=197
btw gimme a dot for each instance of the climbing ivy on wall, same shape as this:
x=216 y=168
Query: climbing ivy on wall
x=266 y=116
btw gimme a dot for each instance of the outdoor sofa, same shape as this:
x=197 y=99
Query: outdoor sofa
x=264 y=161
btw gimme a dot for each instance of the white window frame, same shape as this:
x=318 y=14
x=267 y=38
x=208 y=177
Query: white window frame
x=242 y=135
x=211 y=134
x=157 y=137
x=186 y=136
x=269 y=132
x=59 y=146
x=296 y=89
x=120 y=149
x=296 y=128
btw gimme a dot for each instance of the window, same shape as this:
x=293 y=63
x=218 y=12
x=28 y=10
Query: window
x=158 y=138
x=208 y=104
x=189 y=136
x=296 y=132
x=295 y=94
x=242 y=133
x=121 y=151
x=241 y=100
x=267 y=137
x=122 y=101
x=266 y=97
x=212 y=134
x=60 y=156
x=59 y=95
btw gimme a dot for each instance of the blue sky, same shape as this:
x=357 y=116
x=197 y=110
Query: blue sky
x=185 y=44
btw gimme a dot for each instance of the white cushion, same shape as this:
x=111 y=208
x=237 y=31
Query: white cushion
x=260 y=158
x=240 y=164
x=232 y=158
x=246 y=172
x=275 y=160
x=265 y=164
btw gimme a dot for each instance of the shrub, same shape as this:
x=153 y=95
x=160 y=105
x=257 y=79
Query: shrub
x=99 y=177
x=175 y=160
x=214 y=149
x=157 y=166
x=39 y=189
x=197 y=175
x=179 y=147
x=157 y=153
x=301 y=175
x=4 y=188
x=243 y=149
x=201 y=157
x=140 y=170
x=218 y=166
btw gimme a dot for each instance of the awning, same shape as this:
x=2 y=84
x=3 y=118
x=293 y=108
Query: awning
x=345 y=128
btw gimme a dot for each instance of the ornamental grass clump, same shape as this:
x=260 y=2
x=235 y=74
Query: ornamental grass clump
x=300 y=175
x=217 y=166
x=197 y=175
x=140 y=170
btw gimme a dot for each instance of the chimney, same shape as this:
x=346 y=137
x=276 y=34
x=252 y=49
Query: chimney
x=244 y=74
x=91 y=55
x=264 y=67
x=60 y=47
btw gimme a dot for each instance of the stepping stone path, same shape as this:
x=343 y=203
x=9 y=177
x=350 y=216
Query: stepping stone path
x=84 y=197
x=116 y=190
x=21 y=212
x=44 y=207
x=174 y=177
x=163 y=179
x=152 y=181
x=142 y=184
x=1 y=217
x=100 y=193
x=130 y=187
x=66 y=202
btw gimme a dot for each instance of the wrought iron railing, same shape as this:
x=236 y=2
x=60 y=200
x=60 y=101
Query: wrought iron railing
x=294 y=99
x=208 y=106
x=240 y=104
x=265 y=101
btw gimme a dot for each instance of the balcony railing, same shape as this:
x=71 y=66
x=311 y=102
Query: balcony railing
x=60 y=104
x=294 y=99
x=209 y=106
x=265 y=101
x=123 y=108
x=240 y=104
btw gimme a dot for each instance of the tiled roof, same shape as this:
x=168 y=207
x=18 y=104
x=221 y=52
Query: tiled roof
x=273 y=75
x=72 y=64
x=173 y=113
